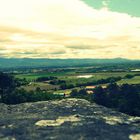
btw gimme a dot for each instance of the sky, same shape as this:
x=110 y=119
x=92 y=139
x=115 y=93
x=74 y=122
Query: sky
x=70 y=29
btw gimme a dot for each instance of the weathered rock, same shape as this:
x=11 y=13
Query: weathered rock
x=68 y=119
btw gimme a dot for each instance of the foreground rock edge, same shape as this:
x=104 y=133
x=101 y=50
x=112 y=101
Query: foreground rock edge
x=68 y=118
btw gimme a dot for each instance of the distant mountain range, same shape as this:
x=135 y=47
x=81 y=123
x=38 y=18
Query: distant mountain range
x=35 y=63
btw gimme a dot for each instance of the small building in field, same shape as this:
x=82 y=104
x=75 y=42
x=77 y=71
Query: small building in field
x=90 y=87
x=104 y=87
x=90 y=91
x=93 y=87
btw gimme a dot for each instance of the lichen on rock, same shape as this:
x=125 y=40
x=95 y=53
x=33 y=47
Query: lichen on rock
x=71 y=119
x=134 y=136
x=57 y=122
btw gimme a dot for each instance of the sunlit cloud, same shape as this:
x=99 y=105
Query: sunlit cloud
x=105 y=4
x=66 y=29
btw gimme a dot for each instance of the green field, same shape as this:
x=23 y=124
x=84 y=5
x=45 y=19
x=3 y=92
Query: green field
x=33 y=76
x=135 y=80
x=71 y=77
x=41 y=85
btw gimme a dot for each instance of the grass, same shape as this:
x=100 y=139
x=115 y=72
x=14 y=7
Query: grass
x=71 y=78
x=41 y=85
x=96 y=76
x=135 y=80
x=33 y=76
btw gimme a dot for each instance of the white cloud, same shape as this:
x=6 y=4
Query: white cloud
x=47 y=28
x=105 y=4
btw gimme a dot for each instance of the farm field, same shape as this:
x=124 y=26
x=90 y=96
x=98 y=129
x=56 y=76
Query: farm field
x=33 y=76
x=72 y=77
x=95 y=76
x=135 y=80
x=43 y=86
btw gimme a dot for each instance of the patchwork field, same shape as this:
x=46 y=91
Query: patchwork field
x=73 y=77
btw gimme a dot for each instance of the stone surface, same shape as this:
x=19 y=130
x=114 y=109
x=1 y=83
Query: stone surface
x=68 y=119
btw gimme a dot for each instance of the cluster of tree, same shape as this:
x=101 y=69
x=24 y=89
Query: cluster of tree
x=137 y=74
x=64 y=85
x=21 y=96
x=42 y=79
x=21 y=82
x=57 y=82
x=105 y=81
x=124 y=98
x=82 y=93
x=129 y=76
x=10 y=94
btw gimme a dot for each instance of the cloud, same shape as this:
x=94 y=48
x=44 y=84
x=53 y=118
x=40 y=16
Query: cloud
x=66 y=29
x=105 y=4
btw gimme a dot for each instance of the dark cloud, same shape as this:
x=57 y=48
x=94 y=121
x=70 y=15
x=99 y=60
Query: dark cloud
x=90 y=47
x=79 y=47
x=57 y=52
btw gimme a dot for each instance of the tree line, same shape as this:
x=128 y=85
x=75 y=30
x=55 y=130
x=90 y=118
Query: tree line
x=65 y=85
x=124 y=98
x=11 y=94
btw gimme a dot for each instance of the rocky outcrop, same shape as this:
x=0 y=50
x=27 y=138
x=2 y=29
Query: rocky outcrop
x=68 y=119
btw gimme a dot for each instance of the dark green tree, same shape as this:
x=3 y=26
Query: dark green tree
x=74 y=93
x=7 y=85
x=99 y=96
